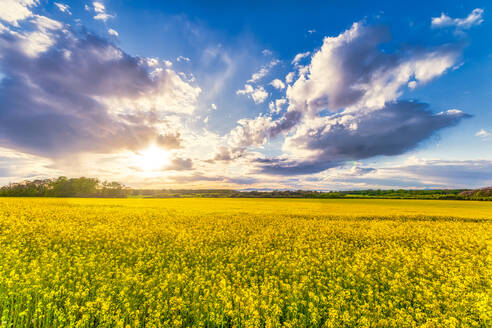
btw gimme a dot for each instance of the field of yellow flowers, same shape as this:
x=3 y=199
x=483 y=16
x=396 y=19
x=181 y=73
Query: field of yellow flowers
x=244 y=263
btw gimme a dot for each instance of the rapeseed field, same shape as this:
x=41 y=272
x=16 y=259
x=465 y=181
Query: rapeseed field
x=244 y=263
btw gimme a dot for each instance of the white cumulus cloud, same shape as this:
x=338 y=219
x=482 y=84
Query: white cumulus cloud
x=278 y=84
x=63 y=8
x=289 y=78
x=337 y=77
x=474 y=18
x=258 y=94
x=263 y=71
x=482 y=133
x=183 y=59
x=113 y=32
x=100 y=11
x=13 y=11
x=299 y=57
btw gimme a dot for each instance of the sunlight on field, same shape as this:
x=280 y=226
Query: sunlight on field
x=244 y=263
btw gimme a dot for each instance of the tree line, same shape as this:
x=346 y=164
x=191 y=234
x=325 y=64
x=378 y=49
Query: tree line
x=93 y=187
x=65 y=187
x=449 y=194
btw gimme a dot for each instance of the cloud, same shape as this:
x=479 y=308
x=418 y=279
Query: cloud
x=482 y=133
x=349 y=71
x=263 y=71
x=45 y=24
x=255 y=132
x=344 y=105
x=223 y=154
x=194 y=178
x=152 y=62
x=412 y=173
x=113 y=32
x=258 y=94
x=360 y=171
x=179 y=164
x=15 y=166
x=326 y=142
x=250 y=132
x=266 y=52
x=277 y=106
x=220 y=66
x=252 y=90
x=441 y=173
x=289 y=78
x=63 y=8
x=198 y=177
x=259 y=75
x=183 y=59
x=80 y=93
x=213 y=106
x=103 y=16
x=473 y=19
x=14 y=11
x=99 y=7
x=100 y=11
x=169 y=140
x=35 y=41
x=299 y=57
x=242 y=181
x=278 y=84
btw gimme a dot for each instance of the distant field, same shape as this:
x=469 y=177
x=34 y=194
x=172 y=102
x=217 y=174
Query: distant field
x=245 y=263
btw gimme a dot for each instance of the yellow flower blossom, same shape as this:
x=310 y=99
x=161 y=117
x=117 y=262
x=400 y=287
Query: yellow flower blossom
x=244 y=263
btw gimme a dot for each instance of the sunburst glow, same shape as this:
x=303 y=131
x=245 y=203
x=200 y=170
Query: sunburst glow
x=152 y=158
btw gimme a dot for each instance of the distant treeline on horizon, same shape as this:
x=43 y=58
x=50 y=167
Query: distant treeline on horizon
x=93 y=187
x=65 y=187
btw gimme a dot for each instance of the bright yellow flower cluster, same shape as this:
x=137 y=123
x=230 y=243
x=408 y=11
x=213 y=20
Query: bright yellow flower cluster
x=244 y=263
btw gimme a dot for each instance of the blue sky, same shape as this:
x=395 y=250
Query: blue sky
x=279 y=94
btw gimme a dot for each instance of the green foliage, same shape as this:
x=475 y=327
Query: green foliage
x=64 y=187
x=92 y=187
x=450 y=194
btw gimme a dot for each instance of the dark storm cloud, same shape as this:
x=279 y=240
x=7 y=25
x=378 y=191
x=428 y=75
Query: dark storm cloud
x=360 y=171
x=393 y=130
x=52 y=104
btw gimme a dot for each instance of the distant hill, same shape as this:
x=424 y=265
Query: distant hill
x=482 y=192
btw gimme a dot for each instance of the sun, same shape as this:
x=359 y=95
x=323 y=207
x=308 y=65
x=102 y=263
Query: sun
x=152 y=158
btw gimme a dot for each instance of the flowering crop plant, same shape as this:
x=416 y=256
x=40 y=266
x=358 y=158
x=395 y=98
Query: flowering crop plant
x=244 y=263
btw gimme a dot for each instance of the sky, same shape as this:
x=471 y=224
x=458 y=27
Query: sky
x=322 y=95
